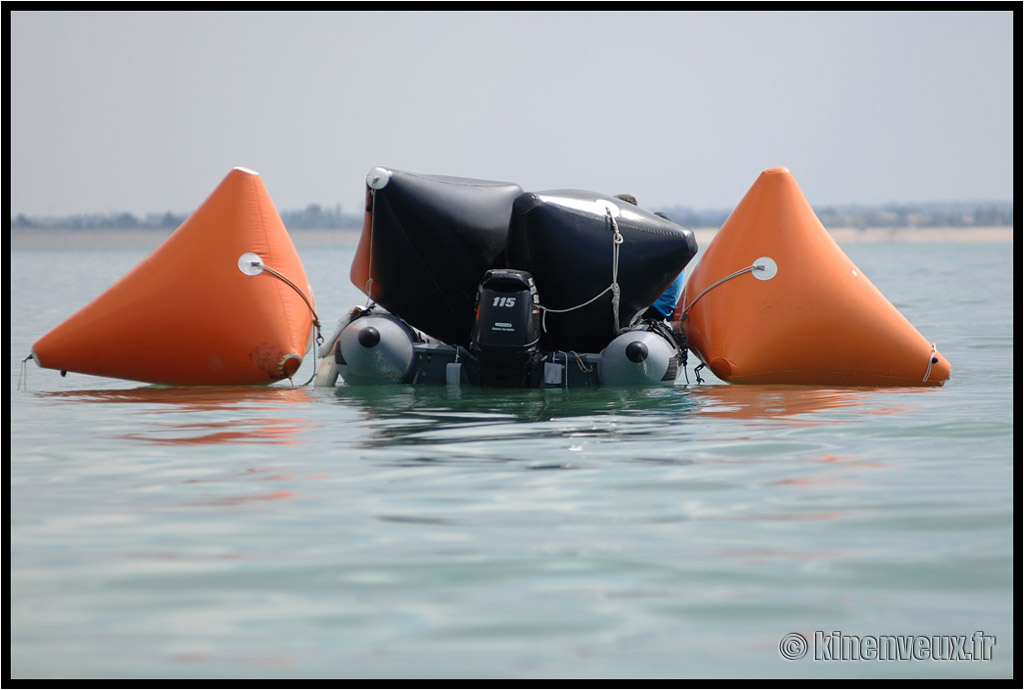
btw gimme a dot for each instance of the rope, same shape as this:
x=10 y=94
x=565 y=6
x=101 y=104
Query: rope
x=617 y=240
x=584 y=367
x=686 y=310
x=23 y=376
x=545 y=310
x=316 y=319
x=280 y=276
x=369 y=254
x=752 y=267
x=931 y=360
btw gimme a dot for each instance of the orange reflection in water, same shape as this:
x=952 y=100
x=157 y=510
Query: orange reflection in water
x=837 y=474
x=246 y=407
x=796 y=407
x=239 y=483
x=198 y=397
x=253 y=430
x=242 y=500
x=766 y=402
x=756 y=402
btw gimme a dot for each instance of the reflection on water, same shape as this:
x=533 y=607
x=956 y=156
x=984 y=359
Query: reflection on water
x=404 y=415
x=839 y=472
x=241 y=500
x=517 y=404
x=734 y=401
x=266 y=430
x=774 y=402
x=395 y=415
x=197 y=398
x=399 y=415
x=183 y=415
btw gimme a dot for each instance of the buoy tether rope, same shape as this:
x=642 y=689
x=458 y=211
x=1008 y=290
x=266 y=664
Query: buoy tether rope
x=764 y=265
x=23 y=376
x=696 y=372
x=617 y=240
x=932 y=359
x=369 y=254
x=251 y=264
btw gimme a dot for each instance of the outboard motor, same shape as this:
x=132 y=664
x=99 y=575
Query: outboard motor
x=376 y=348
x=507 y=328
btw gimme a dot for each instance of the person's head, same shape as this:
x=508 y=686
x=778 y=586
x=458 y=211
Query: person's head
x=628 y=198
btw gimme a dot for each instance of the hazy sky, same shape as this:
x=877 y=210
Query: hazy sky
x=148 y=111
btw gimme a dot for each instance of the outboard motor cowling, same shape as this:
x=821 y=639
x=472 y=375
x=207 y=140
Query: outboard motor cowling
x=507 y=327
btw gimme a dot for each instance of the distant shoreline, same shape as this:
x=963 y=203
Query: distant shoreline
x=48 y=238
x=1002 y=233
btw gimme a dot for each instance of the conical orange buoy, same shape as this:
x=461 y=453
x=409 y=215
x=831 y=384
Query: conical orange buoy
x=797 y=310
x=200 y=309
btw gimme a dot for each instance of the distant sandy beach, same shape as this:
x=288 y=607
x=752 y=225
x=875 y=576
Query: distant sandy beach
x=23 y=238
x=898 y=235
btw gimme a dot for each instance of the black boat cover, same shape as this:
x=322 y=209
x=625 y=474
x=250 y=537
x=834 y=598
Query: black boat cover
x=567 y=241
x=427 y=242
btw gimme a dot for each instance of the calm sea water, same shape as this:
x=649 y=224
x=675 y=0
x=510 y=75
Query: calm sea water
x=423 y=532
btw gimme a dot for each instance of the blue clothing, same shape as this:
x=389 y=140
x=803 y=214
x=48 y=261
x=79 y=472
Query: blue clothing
x=666 y=304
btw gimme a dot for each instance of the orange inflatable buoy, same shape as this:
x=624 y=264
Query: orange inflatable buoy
x=775 y=300
x=220 y=302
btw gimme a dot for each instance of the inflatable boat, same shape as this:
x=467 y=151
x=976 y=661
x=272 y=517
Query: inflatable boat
x=482 y=283
x=479 y=282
